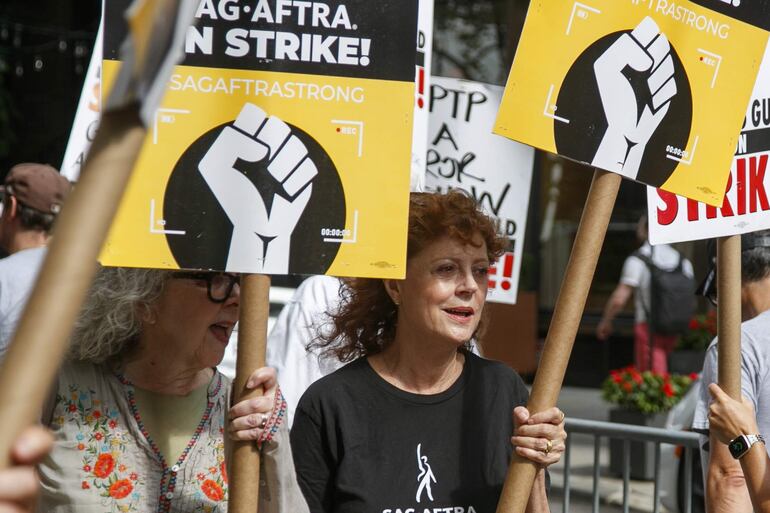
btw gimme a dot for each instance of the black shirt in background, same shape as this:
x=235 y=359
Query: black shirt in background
x=356 y=440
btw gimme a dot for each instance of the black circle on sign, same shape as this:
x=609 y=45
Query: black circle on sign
x=580 y=103
x=190 y=205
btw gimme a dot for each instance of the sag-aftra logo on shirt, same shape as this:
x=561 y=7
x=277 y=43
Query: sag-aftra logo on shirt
x=425 y=478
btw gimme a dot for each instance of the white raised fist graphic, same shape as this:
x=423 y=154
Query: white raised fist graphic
x=261 y=237
x=628 y=131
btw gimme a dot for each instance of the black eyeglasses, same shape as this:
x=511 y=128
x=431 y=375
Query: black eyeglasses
x=219 y=286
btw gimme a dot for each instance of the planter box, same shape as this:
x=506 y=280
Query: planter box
x=642 y=453
x=685 y=362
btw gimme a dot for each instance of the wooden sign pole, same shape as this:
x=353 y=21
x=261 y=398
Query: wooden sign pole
x=729 y=314
x=564 y=325
x=42 y=336
x=252 y=342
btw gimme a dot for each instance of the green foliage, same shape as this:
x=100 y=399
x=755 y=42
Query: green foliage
x=703 y=329
x=647 y=392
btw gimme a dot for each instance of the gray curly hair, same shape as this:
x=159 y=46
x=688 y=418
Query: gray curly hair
x=111 y=318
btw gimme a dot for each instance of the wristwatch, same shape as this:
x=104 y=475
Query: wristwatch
x=741 y=444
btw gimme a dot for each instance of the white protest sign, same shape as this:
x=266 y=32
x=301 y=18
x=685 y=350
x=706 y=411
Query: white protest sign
x=463 y=153
x=87 y=115
x=421 y=90
x=746 y=207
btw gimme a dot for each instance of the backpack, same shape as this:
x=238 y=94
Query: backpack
x=672 y=298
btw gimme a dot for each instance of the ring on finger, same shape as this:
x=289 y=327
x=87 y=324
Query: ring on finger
x=561 y=413
x=548 y=446
x=263 y=422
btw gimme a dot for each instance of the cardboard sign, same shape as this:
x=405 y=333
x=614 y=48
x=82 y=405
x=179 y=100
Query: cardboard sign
x=87 y=115
x=421 y=94
x=746 y=206
x=464 y=154
x=282 y=144
x=651 y=89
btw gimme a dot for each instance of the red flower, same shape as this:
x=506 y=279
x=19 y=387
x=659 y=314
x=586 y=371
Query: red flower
x=98 y=436
x=668 y=389
x=627 y=386
x=81 y=447
x=616 y=378
x=694 y=325
x=223 y=470
x=96 y=414
x=72 y=407
x=201 y=476
x=113 y=424
x=84 y=485
x=133 y=476
x=212 y=490
x=87 y=468
x=105 y=464
x=121 y=488
x=693 y=376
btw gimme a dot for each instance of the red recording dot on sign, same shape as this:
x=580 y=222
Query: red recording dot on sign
x=506 y=275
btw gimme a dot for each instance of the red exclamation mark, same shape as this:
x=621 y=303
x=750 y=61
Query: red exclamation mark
x=492 y=272
x=507 y=271
x=420 y=87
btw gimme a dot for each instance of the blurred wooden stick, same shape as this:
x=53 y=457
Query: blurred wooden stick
x=567 y=314
x=252 y=342
x=729 y=314
x=42 y=336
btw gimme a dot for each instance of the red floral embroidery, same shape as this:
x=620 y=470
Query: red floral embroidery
x=121 y=468
x=201 y=476
x=133 y=476
x=84 y=485
x=113 y=424
x=223 y=470
x=72 y=407
x=81 y=447
x=87 y=468
x=98 y=436
x=96 y=414
x=212 y=490
x=104 y=465
x=120 y=489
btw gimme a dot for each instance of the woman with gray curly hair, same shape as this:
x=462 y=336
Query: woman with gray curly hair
x=139 y=412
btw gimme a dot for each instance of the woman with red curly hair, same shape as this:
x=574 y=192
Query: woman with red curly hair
x=417 y=422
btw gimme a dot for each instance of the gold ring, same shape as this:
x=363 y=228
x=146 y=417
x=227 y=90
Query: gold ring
x=562 y=417
x=548 y=446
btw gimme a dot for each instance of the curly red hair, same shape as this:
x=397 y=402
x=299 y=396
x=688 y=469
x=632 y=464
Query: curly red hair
x=365 y=322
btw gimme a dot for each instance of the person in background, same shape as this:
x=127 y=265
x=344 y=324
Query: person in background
x=32 y=196
x=724 y=479
x=635 y=280
x=301 y=321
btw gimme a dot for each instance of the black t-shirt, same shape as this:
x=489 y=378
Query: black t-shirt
x=362 y=445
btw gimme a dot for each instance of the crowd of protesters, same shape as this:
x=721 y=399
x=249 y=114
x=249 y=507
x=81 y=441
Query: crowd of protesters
x=139 y=418
x=387 y=381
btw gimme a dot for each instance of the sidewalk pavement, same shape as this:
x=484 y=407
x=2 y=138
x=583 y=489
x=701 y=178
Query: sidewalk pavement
x=586 y=403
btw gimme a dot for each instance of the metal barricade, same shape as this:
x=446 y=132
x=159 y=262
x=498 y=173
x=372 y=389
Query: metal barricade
x=628 y=433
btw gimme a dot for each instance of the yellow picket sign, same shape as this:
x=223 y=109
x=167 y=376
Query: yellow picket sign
x=653 y=90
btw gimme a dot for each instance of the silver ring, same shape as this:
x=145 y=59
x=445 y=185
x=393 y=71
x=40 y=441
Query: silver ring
x=263 y=422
